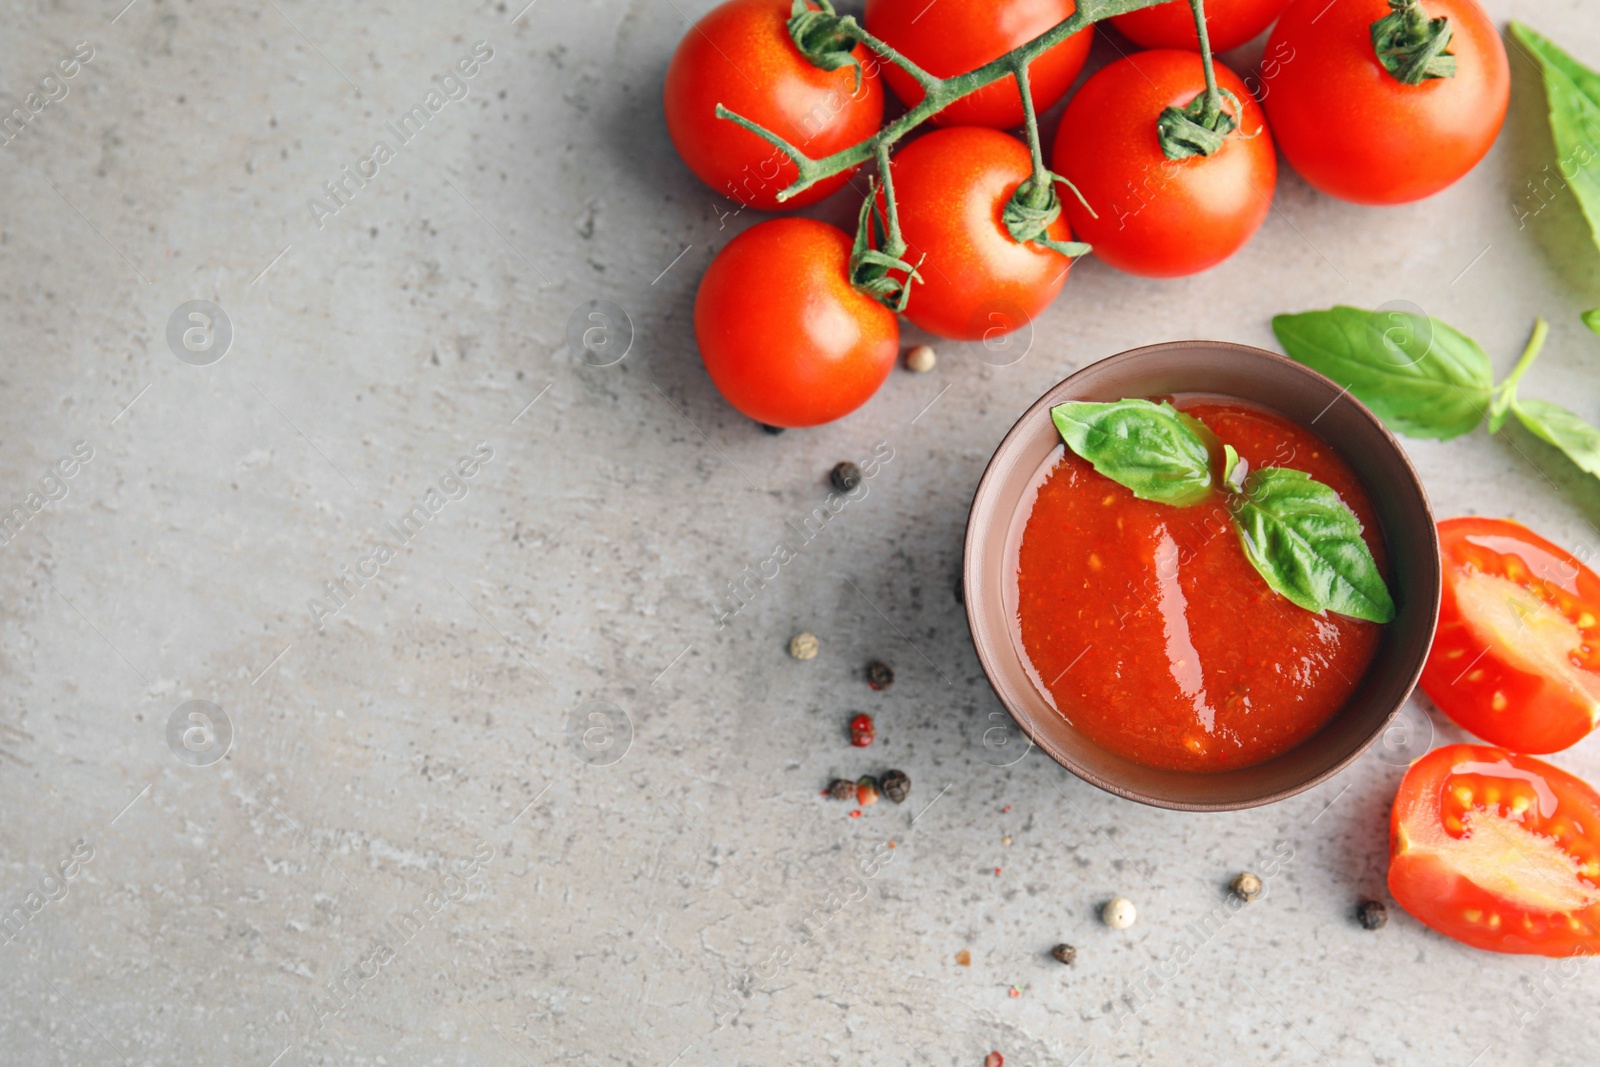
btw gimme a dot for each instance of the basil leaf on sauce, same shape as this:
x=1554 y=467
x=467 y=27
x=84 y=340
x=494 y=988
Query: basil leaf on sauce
x=1307 y=544
x=1557 y=426
x=1573 y=92
x=1149 y=448
x=1417 y=374
x=1234 y=469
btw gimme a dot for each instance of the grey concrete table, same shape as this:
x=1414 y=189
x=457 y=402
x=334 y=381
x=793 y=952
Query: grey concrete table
x=417 y=807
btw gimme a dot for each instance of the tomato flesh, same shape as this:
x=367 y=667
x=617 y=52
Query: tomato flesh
x=740 y=55
x=952 y=187
x=1498 y=851
x=784 y=336
x=947 y=38
x=1516 y=657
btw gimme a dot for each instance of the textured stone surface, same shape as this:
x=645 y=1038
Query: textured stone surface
x=629 y=907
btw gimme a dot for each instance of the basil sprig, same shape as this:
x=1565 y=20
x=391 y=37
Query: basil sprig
x=1573 y=92
x=1307 y=544
x=1300 y=537
x=1418 y=375
x=1445 y=389
x=1152 y=449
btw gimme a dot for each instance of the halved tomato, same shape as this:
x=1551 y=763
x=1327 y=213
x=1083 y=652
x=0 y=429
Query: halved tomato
x=1516 y=658
x=1499 y=851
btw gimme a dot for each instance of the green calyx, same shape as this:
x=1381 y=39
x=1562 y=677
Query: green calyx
x=825 y=39
x=873 y=270
x=1411 y=46
x=1031 y=210
x=1199 y=128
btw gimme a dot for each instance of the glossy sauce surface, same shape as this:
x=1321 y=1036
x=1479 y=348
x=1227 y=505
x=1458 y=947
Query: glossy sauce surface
x=1153 y=634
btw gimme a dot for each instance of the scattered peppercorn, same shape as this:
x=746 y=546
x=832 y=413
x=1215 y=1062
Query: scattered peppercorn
x=862 y=732
x=1065 y=953
x=845 y=477
x=866 y=790
x=856 y=814
x=774 y=430
x=964 y=958
x=1006 y=840
x=1119 y=914
x=1373 y=914
x=1246 y=886
x=842 y=789
x=994 y=1059
x=997 y=872
x=921 y=359
x=896 y=786
x=804 y=646
x=880 y=675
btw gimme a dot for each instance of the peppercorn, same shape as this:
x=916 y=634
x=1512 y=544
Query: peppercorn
x=1119 y=914
x=896 y=786
x=845 y=477
x=1065 y=953
x=866 y=790
x=862 y=732
x=994 y=1059
x=1372 y=914
x=920 y=359
x=804 y=646
x=1246 y=886
x=880 y=675
x=842 y=789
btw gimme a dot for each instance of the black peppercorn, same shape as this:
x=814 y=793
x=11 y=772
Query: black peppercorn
x=842 y=789
x=896 y=786
x=880 y=675
x=845 y=477
x=1065 y=953
x=1373 y=914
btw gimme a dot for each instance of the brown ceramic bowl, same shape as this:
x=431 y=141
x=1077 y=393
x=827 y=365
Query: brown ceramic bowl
x=1300 y=394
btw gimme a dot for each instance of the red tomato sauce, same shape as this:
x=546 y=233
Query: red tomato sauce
x=1150 y=631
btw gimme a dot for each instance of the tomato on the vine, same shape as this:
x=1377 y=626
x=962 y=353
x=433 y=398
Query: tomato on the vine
x=951 y=187
x=783 y=334
x=1152 y=215
x=1357 y=132
x=1229 y=23
x=1516 y=658
x=1499 y=851
x=955 y=37
x=740 y=55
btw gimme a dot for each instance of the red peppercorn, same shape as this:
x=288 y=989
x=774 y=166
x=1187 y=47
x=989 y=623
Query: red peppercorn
x=862 y=732
x=994 y=1059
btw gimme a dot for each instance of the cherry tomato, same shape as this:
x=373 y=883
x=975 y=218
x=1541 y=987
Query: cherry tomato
x=951 y=186
x=1355 y=131
x=1229 y=23
x=1516 y=657
x=1161 y=217
x=741 y=56
x=948 y=37
x=1499 y=851
x=783 y=335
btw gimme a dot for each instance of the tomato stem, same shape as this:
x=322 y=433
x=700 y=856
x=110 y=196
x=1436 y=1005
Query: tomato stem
x=1505 y=394
x=1200 y=127
x=939 y=93
x=1034 y=204
x=1411 y=46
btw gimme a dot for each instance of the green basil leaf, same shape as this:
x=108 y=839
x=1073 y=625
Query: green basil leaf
x=1150 y=448
x=1573 y=92
x=1418 y=375
x=1557 y=426
x=1307 y=544
x=1234 y=469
